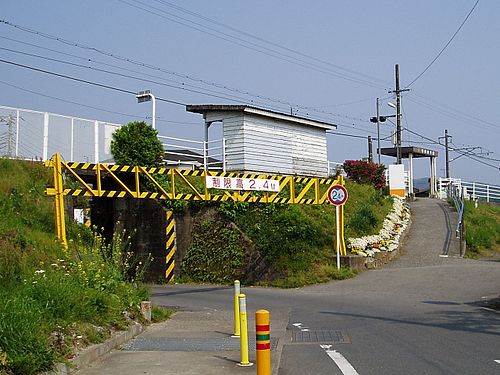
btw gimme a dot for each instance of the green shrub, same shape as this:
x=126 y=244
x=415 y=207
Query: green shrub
x=215 y=255
x=296 y=240
x=136 y=143
x=363 y=219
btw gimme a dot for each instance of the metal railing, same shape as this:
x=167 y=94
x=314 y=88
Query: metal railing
x=470 y=190
x=455 y=194
x=334 y=166
x=191 y=154
x=458 y=191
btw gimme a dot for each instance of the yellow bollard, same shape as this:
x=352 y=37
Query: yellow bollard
x=236 y=309
x=243 y=332
x=263 y=342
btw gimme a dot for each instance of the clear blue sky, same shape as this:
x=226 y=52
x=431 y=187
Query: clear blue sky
x=338 y=57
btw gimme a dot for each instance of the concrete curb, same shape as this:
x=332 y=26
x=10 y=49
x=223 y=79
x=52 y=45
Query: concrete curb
x=89 y=355
x=275 y=365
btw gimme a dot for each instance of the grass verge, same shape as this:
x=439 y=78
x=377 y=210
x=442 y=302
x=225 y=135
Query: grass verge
x=54 y=300
x=482 y=226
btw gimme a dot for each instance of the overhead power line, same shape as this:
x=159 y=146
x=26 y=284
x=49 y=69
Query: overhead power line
x=89 y=106
x=102 y=85
x=448 y=111
x=129 y=60
x=473 y=157
x=274 y=44
x=219 y=95
x=80 y=80
x=445 y=46
x=347 y=135
x=158 y=12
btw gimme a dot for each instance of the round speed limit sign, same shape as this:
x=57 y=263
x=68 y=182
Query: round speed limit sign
x=337 y=195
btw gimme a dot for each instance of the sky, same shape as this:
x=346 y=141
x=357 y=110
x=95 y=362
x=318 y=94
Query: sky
x=327 y=60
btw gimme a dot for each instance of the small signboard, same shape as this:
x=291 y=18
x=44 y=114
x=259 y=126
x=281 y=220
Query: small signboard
x=236 y=183
x=337 y=195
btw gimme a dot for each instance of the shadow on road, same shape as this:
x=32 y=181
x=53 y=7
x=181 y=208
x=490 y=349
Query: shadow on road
x=188 y=291
x=445 y=303
x=479 y=321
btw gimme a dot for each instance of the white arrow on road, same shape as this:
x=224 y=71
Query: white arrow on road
x=341 y=362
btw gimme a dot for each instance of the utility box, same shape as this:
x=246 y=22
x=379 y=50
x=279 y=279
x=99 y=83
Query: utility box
x=262 y=141
x=397 y=180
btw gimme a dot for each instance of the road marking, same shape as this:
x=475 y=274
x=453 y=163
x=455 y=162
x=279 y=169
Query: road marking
x=299 y=326
x=341 y=362
x=497 y=361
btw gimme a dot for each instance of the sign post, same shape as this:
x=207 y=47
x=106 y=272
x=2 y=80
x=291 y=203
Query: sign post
x=337 y=195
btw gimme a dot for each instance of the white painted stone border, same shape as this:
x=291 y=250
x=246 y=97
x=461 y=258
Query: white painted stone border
x=387 y=236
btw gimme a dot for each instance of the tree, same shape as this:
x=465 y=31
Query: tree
x=137 y=144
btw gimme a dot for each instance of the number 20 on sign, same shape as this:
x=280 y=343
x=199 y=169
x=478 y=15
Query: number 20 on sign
x=337 y=195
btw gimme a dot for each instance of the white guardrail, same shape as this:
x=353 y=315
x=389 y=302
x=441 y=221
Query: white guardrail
x=470 y=190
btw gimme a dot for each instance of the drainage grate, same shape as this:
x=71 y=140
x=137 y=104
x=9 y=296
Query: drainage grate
x=321 y=336
x=190 y=344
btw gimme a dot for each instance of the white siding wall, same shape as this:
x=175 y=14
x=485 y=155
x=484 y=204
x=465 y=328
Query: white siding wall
x=263 y=145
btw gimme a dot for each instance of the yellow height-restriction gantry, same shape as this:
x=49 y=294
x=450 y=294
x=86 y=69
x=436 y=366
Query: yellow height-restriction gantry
x=118 y=181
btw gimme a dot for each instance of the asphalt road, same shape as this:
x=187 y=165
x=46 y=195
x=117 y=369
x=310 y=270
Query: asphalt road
x=420 y=315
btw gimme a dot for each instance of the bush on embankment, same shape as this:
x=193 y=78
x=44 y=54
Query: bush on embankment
x=52 y=300
x=294 y=242
x=482 y=225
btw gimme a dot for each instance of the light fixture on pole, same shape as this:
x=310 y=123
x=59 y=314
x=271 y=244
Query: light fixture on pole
x=146 y=96
x=378 y=119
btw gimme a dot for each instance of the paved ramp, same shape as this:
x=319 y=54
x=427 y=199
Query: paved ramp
x=431 y=239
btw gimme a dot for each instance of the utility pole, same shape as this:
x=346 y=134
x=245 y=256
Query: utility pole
x=370 y=149
x=446 y=136
x=378 y=130
x=398 y=92
x=398 y=117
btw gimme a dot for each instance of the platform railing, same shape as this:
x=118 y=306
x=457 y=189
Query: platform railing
x=470 y=190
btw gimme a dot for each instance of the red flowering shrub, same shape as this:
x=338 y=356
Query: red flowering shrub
x=365 y=172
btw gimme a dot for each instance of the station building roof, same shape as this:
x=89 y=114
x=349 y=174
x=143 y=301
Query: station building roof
x=417 y=152
x=207 y=108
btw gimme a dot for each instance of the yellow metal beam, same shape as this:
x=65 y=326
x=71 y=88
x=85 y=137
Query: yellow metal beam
x=293 y=189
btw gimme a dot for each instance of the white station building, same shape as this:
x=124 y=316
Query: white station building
x=263 y=141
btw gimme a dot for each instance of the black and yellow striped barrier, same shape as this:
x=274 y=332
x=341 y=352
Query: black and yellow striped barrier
x=170 y=247
x=120 y=181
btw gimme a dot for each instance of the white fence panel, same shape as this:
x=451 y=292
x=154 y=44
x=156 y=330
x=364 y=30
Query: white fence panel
x=29 y=134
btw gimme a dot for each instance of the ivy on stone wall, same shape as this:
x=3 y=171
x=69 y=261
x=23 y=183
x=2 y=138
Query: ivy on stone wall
x=216 y=254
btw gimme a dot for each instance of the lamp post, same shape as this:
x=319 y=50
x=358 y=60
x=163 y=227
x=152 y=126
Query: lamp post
x=146 y=96
x=397 y=107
